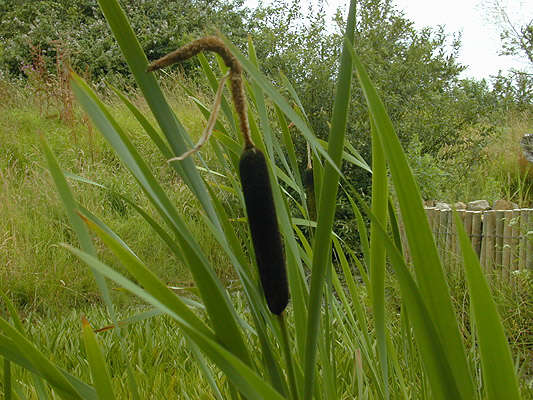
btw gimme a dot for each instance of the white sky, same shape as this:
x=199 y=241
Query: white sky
x=480 y=38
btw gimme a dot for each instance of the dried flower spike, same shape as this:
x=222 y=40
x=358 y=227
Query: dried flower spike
x=264 y=228
x=255 y=181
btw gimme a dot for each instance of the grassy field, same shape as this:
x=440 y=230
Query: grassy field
x=52 y=289
x=38 y=274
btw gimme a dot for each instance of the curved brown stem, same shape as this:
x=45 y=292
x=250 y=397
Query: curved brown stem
x=213 y=43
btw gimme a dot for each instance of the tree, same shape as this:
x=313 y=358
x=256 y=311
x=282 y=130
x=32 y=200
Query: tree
x=515 y=88
x=516 y=36
x=80 y=29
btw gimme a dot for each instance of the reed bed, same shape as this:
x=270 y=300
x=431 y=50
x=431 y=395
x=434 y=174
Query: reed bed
x=247 y=351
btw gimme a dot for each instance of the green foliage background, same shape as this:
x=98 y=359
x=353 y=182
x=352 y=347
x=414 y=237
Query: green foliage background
x=442 y=119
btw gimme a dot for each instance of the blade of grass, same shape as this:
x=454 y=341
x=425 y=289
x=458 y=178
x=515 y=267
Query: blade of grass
x=147 y=278
x=170 y=125
x=289 y=147
x=361 y=228
x=7 y=379
x=81 y=231
x=251 y=385
x=99 y=372
x=499 y=376
x=328 y=196
x=290 y=89
x=428 y=268
x=358 y=162
x=75 y=221
x=432 y=350
x=171 y=243
x=9 y=350
x=39 y=362
x=377 y=252
x=37 y=381
x=149 y=129
x=221 y=312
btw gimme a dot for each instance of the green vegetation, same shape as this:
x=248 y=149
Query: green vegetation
x=39 y=274
x=99 y=230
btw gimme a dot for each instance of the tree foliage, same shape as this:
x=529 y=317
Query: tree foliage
x=430 y=104
x=79 y=29
x=515 y=88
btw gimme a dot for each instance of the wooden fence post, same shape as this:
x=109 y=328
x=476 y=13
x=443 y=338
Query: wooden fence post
x=489 y=237
x=463 y=215
x=507 y=243
x=515 y=244
x=524 y=213
x=529 y=239
x=441 y=235
x=483 y=255
x=476 y=232
x=448 y=255
x=499 y=239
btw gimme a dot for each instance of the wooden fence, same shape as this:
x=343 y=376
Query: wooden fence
x=499 y=237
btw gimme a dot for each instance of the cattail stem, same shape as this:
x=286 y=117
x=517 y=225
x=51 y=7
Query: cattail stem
x=210 y=123
x=309 y=158
x=293 y=387
x=213 y=43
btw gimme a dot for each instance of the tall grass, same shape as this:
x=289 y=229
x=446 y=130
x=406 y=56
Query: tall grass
x=334 y=351
x=37 y=273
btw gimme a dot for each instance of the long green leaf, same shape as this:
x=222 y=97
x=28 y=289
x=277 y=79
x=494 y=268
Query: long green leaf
x=171 y=127
x=74 y=219
x=39 y=362
x=217 y=302
x=432 y=349
x=99 y=372
x=251 y=385
x=9 y=350
x=327 y=205
x=148 y=279
x=38 y=383
x=428 y=268
x=377 y=252
x=500 y=380
x=149 y=129
x=7 y=379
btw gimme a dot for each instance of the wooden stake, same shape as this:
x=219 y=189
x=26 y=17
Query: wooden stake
x=490 y=247
x=483 y=255
x=507 y=243
x=452 y=249
x=441 y=235
x=459 y=254
x=476 y=232
x=447 y=236
x=499 y=238
x=529 y=239
x=523 y=238
x=515 y=243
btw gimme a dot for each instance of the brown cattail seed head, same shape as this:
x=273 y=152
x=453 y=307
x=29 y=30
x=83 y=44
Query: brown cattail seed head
x=264 y=228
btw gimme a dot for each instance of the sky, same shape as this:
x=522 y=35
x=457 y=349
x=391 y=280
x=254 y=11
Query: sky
x=480 y=38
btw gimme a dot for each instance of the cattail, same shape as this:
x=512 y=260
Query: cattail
x=264 y=228
x=254 y=179
x=309 y=186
